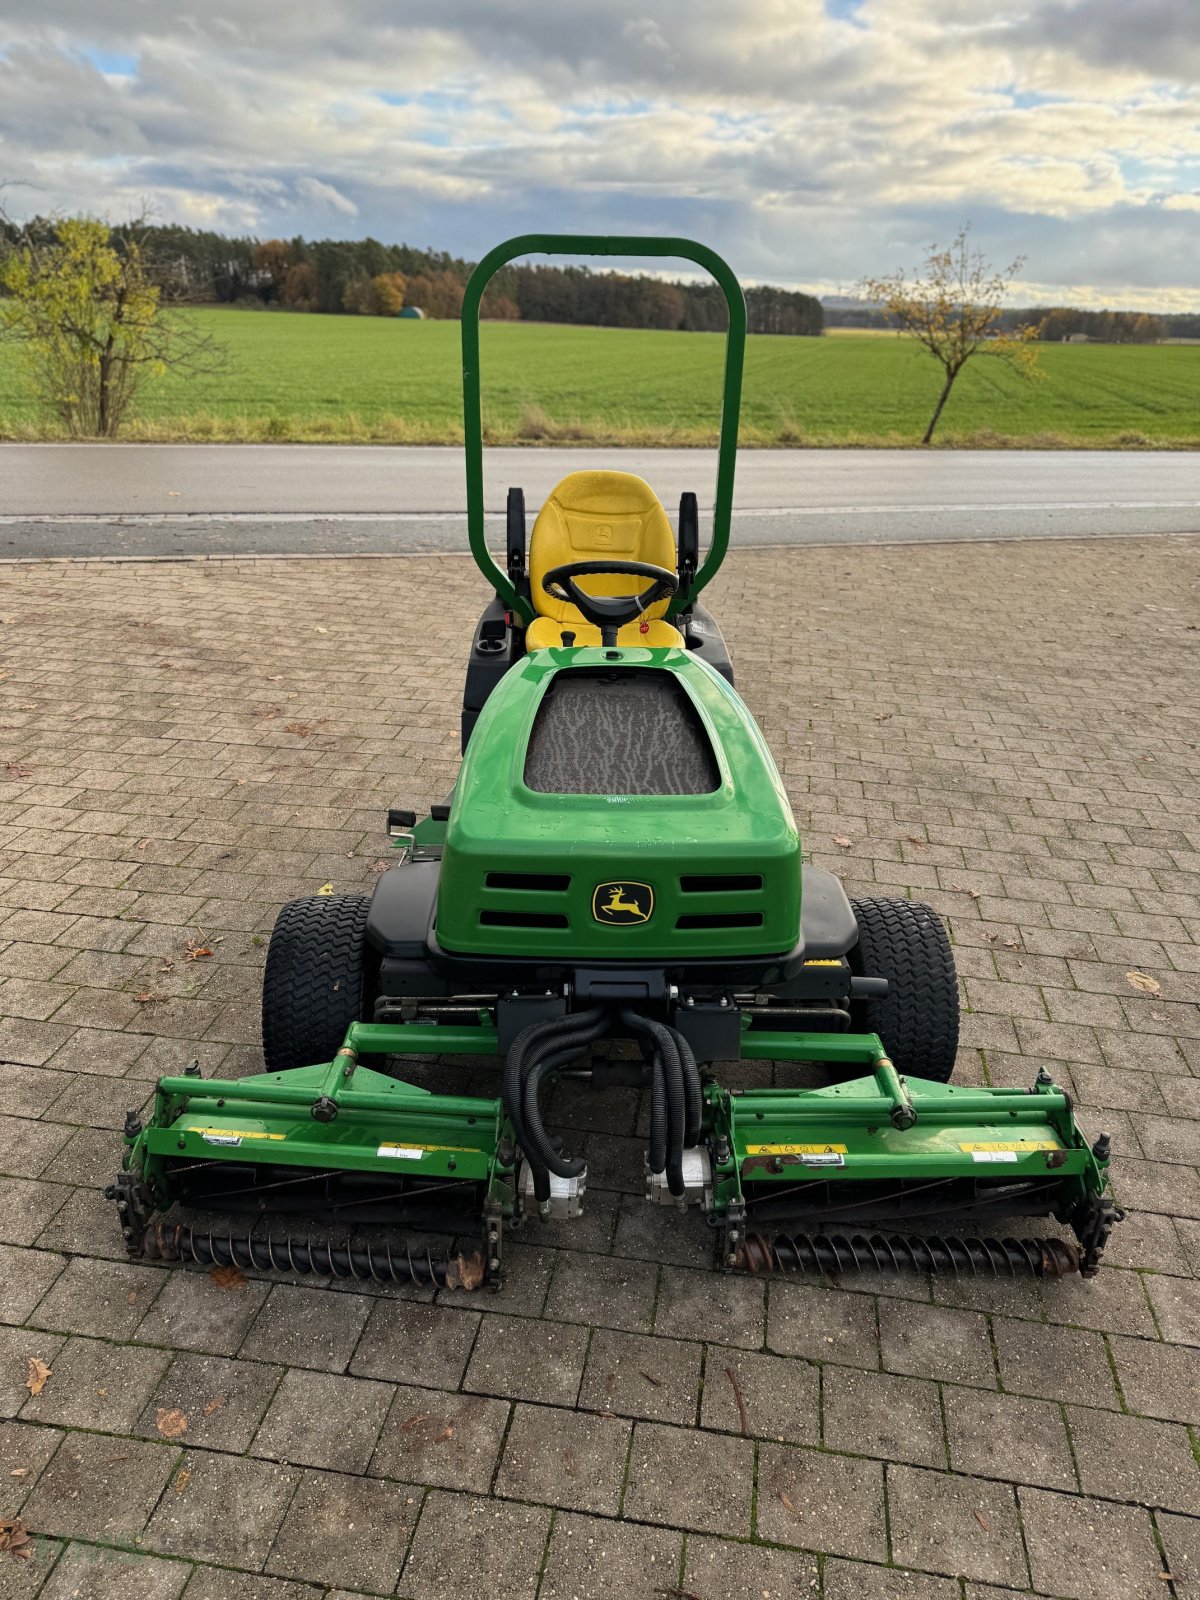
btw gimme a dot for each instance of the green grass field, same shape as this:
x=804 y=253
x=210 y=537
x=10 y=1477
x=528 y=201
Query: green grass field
x=293 y=377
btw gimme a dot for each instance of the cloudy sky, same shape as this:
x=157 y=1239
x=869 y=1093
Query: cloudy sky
x=812 y=141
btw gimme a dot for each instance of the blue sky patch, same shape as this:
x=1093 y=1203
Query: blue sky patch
x=115 y=63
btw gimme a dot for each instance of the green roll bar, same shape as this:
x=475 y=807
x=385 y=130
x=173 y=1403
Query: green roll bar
x=584 y=244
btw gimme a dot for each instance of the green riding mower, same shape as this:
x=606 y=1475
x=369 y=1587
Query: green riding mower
x=617 y=861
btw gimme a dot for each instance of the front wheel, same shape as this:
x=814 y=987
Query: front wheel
x=316 y=981
x=905 y=942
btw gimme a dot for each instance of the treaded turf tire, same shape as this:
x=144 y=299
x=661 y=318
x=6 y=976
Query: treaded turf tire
x=315 y=983
x=905 y=942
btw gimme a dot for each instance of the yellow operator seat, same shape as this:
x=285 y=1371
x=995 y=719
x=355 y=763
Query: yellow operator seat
x=588 y=516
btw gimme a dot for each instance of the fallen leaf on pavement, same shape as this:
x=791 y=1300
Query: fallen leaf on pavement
x=982 y=1521
x=840 y=838
x=15 y=1540
x=37 y=1375
x=302 y=728
x=20 y=1472
x=170 y=1422
x=1143 y=982
x=195 y=951
x=228 y=1277
x=182 y=1478
x=326 y=888
x=215 y=1404
x=788 y=1504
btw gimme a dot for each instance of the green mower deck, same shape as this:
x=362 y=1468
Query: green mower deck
x=875 y=1144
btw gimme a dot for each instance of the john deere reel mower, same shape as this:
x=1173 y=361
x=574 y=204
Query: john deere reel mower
x=617 y=861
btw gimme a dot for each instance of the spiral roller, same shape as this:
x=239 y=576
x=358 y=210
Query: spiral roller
x=346 y=1261
x=833 y=1255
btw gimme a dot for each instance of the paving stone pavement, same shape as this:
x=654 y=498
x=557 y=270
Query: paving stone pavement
x=1009 y=732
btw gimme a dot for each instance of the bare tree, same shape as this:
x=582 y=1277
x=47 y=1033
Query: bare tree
x=952 y=307
x=86 y=302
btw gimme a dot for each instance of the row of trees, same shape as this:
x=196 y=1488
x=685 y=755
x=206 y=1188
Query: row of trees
x=1050 y=324
x=1106 y=327
x=369 y=279
x=366 y=278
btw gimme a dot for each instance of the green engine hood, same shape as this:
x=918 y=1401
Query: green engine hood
x=616 y=876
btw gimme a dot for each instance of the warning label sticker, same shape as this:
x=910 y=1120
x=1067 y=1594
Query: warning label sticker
x=795 y=1149
x=231 y=1135
x=414 y=1152
x=1006 y=1146
x=808 y=1155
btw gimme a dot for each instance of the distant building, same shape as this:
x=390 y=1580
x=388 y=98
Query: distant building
x=413 y=313
x=1077 y=338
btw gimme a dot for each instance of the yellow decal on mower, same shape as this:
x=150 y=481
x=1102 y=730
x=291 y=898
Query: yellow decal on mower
x=414 y=1152
x=232 y=1136
x=796 y=1149
x=1014 y=1145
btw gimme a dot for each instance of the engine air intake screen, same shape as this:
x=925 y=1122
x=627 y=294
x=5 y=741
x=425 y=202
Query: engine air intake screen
x=622 y=731
x=539 y=882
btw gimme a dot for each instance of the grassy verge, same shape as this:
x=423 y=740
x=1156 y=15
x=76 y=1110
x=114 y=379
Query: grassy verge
x=203 y=427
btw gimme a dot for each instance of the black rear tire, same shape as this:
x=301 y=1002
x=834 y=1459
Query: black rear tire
x=905 y=942
x=316 y=980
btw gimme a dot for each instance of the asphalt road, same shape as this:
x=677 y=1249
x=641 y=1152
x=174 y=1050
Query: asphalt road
x=173 y=500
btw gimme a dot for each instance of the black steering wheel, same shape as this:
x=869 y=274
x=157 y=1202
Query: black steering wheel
x=604 y=611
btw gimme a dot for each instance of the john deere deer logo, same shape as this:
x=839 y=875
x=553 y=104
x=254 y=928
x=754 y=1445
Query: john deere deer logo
x=622 y=903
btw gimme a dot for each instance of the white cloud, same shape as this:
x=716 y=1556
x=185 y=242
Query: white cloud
x=324 y=194
x=812 y=148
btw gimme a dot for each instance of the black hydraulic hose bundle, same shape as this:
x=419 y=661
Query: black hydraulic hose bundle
x=543 y=1048
x=676 y=1105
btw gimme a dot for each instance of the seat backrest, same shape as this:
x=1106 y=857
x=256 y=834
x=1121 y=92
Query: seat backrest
x=588 y=516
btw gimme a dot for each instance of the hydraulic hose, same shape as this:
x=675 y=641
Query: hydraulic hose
x=657 y=1151
x=675 y=1103
x=525 y=1050
x=542 y=1048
